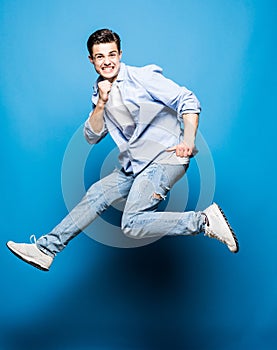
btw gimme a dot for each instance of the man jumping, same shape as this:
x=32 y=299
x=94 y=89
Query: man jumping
x=154 y=122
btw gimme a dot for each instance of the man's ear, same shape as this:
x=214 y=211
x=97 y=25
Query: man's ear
x=120 y=54
x=90 y=59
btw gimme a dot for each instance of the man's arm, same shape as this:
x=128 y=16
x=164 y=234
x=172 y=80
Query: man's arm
x=96 y=119
x=183 y=101
x=94 y=128
x=187 y=147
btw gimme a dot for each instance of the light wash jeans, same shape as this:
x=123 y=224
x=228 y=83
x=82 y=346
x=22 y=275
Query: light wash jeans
x=140 y=218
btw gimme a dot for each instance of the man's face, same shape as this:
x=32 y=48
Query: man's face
x=106 y=60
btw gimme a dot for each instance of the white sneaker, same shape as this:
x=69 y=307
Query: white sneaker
x=217 y=226
x=31 y=254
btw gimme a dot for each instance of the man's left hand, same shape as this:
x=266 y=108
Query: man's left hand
x=182 y=150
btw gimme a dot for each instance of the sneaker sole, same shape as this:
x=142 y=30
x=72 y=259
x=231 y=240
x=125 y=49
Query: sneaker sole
x=230 y=228
x=26 y=260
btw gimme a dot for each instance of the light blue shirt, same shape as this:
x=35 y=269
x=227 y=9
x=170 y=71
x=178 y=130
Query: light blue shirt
x=156 y=105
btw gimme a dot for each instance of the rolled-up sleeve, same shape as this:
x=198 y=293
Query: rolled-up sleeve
x=91 y=136
x=176 y=97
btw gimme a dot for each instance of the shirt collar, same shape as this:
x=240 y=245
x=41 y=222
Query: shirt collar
x=122 y=72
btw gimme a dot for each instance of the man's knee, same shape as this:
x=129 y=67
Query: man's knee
x=128 y=226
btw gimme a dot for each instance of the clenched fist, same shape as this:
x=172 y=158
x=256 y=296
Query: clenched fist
x=104 y=88
x=182 y=150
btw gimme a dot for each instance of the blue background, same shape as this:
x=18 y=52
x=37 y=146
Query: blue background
x=181 y=293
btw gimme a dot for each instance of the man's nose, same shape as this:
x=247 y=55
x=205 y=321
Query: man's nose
x=107 y=61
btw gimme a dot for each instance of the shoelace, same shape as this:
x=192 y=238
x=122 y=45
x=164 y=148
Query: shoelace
x=33 y=239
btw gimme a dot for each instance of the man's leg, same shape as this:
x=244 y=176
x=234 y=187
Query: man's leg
x=98 y=198
x=141 y=218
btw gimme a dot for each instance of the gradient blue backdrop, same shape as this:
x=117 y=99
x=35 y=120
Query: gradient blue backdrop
x=181 y=293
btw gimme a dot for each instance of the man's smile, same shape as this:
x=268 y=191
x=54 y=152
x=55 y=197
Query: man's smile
x=107 y=69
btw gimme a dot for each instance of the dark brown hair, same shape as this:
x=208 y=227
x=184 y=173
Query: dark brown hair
x=103 y=36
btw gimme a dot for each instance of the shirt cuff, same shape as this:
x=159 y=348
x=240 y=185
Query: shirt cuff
x=90 y=130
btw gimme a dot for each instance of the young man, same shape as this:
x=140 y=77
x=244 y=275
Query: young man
x=144 y=112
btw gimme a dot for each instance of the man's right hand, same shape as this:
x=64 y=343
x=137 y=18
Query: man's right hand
x=96 y=118
x=104 y=88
